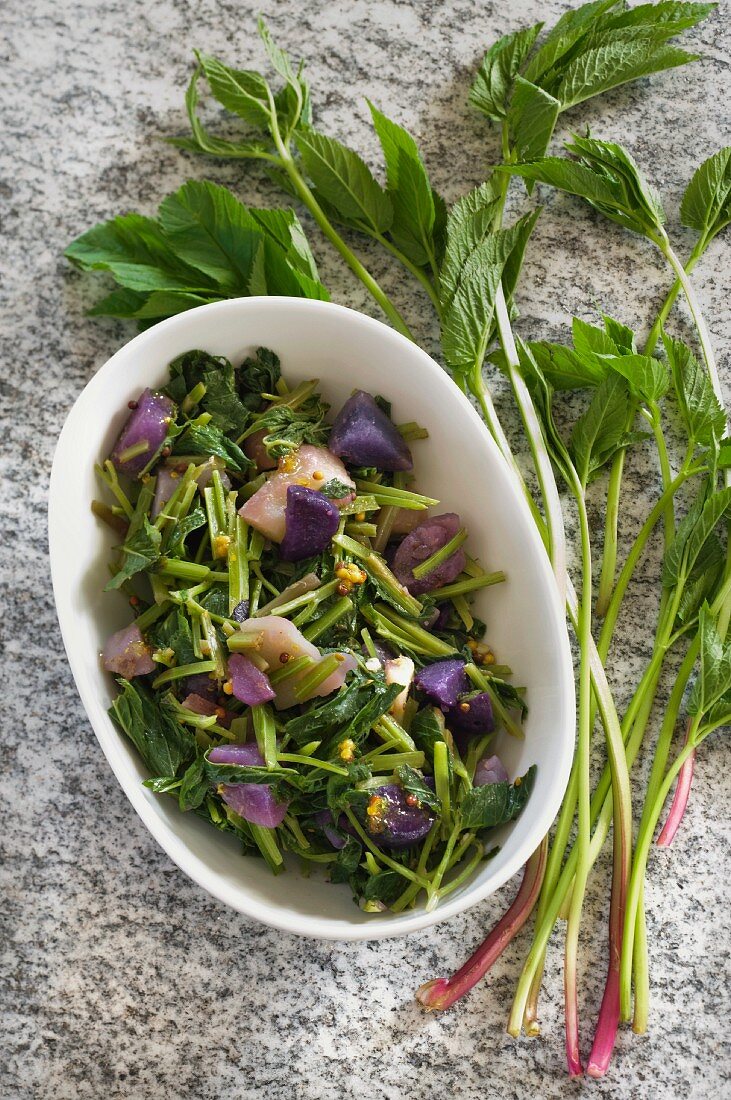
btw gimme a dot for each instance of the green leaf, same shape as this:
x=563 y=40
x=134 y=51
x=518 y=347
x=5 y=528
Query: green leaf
x=341 y=792
x=590 y=340
x=163 y=743
x=409 y=189
x=345 y=181
x=492 y=88
x=272 y=274
x=427 y=727
x=218 y=377
x=706 y=205
x=566 y=369
x=414 y=784
x=668 y=16
x=625 y=56
x=560 y=40
x=198 y=439
x=532 y=119
x=140 y=551
x=241 y=91
x=174 y=632
x=204 y=142
x=384 y=887
x=258 y=374
x=692 y=535
x=183 y=527
x=495 y=804
x=622 y=337
x=135 y=250
x=195 y=785
x=469 y=321
x=648 y=378
x=703 y=415
x=469 y=222
x=714 y=676
x=599 y=433
x=285 y=228
x=211 y=230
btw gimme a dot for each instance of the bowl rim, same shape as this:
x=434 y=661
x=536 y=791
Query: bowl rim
x=175 y=847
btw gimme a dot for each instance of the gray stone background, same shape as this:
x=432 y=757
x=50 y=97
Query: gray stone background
x=119 y=977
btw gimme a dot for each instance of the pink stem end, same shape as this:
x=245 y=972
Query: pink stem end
x=680 y=801
x=444 y=992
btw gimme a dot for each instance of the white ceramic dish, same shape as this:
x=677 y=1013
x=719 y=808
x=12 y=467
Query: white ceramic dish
x=459 y=463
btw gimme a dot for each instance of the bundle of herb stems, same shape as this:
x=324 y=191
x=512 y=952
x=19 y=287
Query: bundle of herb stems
x=469 y=266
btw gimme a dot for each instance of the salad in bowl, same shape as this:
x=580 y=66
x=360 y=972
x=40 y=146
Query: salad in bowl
x=302 y=666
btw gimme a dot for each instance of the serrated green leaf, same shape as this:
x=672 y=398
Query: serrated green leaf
x=136 y=252
x=532 y=119
x=648 y=378
x=703 y=415
x=285 y=228
x=203 y=141
x=669 y=16
x=561 y=39
x=495 y=804
x=163 y=743
x=626 y=56
x=566 y=369
x=622 y=336
x=412 y=198
x=469 y=222
x=714 y=675
x=693 y=532
x=599 y=433
x=140 y=551
x=567 y=175
x=242 y=91
x=590 y=340
x=468 y=323
x=706 y=205
x=492 y=88
x=345 y=181
x=212 y=231
x=639 y=206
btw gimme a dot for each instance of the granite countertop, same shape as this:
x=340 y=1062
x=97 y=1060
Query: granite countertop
x=118 y=976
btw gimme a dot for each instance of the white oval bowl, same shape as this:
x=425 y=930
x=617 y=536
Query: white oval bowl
x=459 y=463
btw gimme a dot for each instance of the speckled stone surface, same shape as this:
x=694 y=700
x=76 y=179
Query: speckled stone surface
x=118 y=976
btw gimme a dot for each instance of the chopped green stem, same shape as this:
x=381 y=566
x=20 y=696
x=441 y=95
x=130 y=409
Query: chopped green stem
x=469 y=584
x=425 y=567
x=322 y=670
x=333 y=615
x=385 y=495
x=420 y=640
x=181 y=671
x=139 y=448
x=502 y=714
x=266 y=734
x=154 y=612
x=441 y=780
x=388 y=762
x=265 y=840
x=312 y=762
x=389 y=730
x=291 y=668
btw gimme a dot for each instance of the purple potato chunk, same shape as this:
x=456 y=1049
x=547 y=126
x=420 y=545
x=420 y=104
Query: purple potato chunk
x=425 y=540
x=254 y=802
x=490 y=769
x=476 y=719
x=394 y=819
x=250 y=685
x=127 y=654
x=147 y=423
x=443 y=681
x=310 y=521
x=364 y=436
